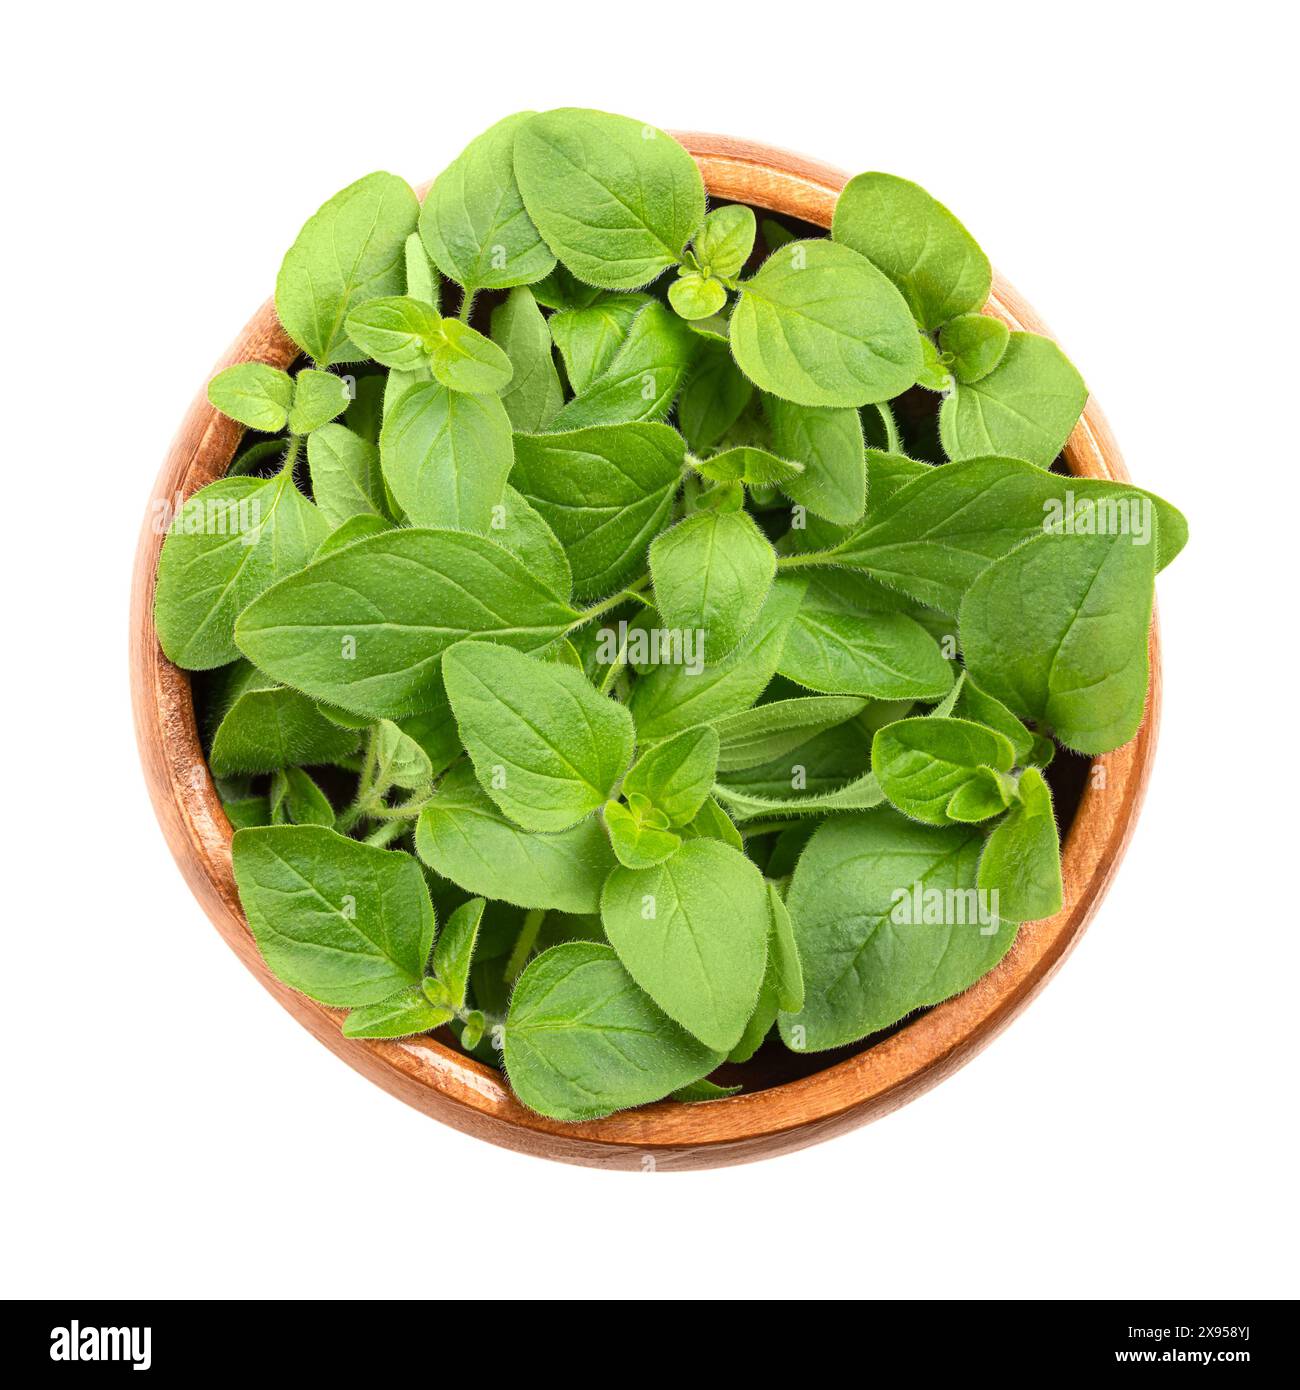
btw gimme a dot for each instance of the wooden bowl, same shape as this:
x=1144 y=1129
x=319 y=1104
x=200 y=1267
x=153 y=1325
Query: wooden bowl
x=451 y=1087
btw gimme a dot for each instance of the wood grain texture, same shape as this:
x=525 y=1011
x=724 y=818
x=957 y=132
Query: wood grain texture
x=453 y=1088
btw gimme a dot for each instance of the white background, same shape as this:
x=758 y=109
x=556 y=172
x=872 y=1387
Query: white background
x=167 y=1130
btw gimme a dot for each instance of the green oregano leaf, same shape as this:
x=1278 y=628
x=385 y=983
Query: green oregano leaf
x=318 y=397
x=1057 y=630
x=711 y=574
x=883 y=655
x=714 y=397
x=253 y=393
x=422 y=281
x=917 y=242
x=266 y=725
x=346 y=480
x=887 y=919
x=615 y=200
x=637 y=845
x=464 y=837
x=453 y=952
x=820 y=325
x=343 y=922
x=676 y=697
x=643 y=377
x=713 y=823
x=860 y=794
x=922 y=764
x=589 y=336
x=397 y=331
x=783 y=954
x=606 y=492
x=978 y=705
x=534 y=394
x=350 y=251
x=582 y=1040
x=464 y=360
x=399 y=759
x=446 y=455
x=1022 y=857
x=692 y=932
x=365 y=628
x=675 y=776
x=975 y=343
x=723 y=244
x=401 y=1015
x=547 y=747
x=828 y=443
x=355 y=528
x=473 y=221
x=230 y=541
x=304 y=801
x=934 y=536
x=758 y=735
x=1024 y=408
x=750 y=465
x=695 y=296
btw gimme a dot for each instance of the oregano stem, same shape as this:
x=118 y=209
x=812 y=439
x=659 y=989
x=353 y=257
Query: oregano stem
x=524 y=944
x=291 y=454
x=765 y=827
x=633 y=591
x=466 y=305
x=805 y=558
x=365 y=785
x=407 y=810
x=387 y=833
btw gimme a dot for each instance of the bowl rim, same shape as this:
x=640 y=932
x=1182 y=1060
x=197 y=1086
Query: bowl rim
x=668 y=1135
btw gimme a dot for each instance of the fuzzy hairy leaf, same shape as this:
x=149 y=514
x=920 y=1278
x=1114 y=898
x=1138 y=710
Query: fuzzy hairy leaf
x=345 y=923
x=351 y=250
x=671 y=698
x=692 y=932
x=581 y=1040
x=934 y=536
x=712 y=573
x=473 y=222
x=534 y=394
x=886 y=921
x=675 y=776
x=547 y=747
x=446 y=456
x=464 y=837
x=230 y=541
x=253 y=393
x=820 y=325
x=643 y=377
x=265 y=725
x=346 y=480
x=1022 y=857
x=1057 y=631
x=757 y=735
x=923 y=764
x=614 y=199
x=917 y=242
x=605 y=492
x=365 y=627
x=1024 y=408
